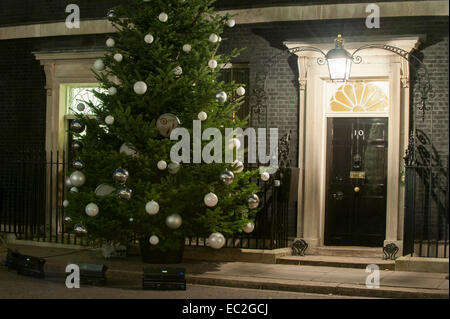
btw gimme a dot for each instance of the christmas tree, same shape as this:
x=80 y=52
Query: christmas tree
x=161 y=72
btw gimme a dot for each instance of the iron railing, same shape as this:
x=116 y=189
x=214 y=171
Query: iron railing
x=32 y=191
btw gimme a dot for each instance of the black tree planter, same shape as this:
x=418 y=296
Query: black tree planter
x=161 y=255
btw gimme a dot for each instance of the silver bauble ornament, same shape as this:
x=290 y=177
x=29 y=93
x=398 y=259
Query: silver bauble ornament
x=238 y=166
x=152 y=208
x=77 y=179
x=167 y=123
x=227 y=177
x=173 y=221
x=67 y=218
x=174 y=167
x=240 y=91
x=80 y=229
x=91 y=209
x=125 y=193
x=140 y=87
x=265 y=176
x=77 y=145
x=77 y=126
x=253 y=201
x=162 y=165
x=154 y=240
x=216 y=240
x=103 y=190
x=81 y=107
x=120 y=175
x=211 y=199
x=74 y=190
x=221 y=97
x=148 y=38
x=111 y=14
x=99 y=65
x=68 y=183
x=78 y=164
x=163 y=17
x=249 y=228
x=110 y=43
x=65 y=203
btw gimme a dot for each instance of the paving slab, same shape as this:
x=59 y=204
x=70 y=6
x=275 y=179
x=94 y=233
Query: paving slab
x=298 y=278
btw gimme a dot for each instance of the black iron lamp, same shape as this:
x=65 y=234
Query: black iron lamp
x=339 y=61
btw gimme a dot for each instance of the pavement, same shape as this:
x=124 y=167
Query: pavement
x=330 y=281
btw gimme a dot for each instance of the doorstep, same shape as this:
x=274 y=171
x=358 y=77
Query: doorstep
x=422 y=264
x=266 y=256
x=337 y=261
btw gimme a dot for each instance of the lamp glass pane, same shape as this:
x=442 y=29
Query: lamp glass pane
x=339 y=69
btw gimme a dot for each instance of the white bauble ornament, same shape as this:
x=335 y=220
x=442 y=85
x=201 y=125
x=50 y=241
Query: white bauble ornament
x=103 y=190
x=81 y=107
x=212 y=64
x=118 y=57
x=140 y=87
x=66 y=203
x=162 y=165
x=112 y=90
x=91 y=209
x=240 y=91
x=152 y=207
x=148 y=38
x=202 y=116
x=238 y=166
x=109 y=120
x=178 y=71
x=213 y=38
x=231 y=23
x=110 y=43
x=234 y=143
x=128 y=149
x=249 y=228
x=174 y=221
x=220 y=39
x=265 y=176
x=187 y=48
x=77 y=178
x=74 y=190
x=211 y=199
x=99 y=65
x=163 y=17
x=154 y=240
x=174 y=167
x=216 y=240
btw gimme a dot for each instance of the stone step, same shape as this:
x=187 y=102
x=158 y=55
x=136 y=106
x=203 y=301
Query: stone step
x=336 y=261
x=350 y=251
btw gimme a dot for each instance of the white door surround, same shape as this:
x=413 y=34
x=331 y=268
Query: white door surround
x=313 y=78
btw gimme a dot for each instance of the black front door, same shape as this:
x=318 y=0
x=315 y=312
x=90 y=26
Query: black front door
x=355 y=211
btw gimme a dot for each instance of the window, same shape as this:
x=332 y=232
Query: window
x=239 y=73
x=359 y=96
x=80 y=93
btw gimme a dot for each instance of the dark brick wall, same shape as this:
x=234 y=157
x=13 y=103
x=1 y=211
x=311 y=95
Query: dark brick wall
x=22 y=88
